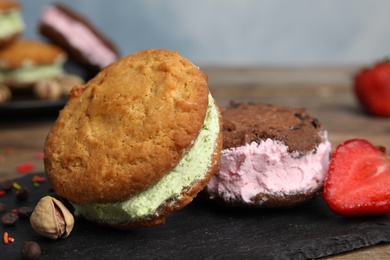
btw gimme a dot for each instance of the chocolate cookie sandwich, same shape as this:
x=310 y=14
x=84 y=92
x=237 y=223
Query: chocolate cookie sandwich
x=77 y=36
x=272 y=157
x=137 y=142
x=11 y=22
x=25 y=62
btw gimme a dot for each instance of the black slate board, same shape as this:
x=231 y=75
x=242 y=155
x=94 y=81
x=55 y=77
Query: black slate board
x=203 y=230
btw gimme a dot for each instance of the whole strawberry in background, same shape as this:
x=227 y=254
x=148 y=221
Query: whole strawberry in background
x=358 y=180
x=372 y=88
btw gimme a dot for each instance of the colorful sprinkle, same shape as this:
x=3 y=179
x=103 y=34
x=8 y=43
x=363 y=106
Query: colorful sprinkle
x=25 y=167
x=38 y=179
x=39 y=156
x=16 y=186
x=5 y=238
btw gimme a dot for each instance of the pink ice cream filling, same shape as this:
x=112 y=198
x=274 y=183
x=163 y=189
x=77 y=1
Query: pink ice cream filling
x=268 y=168
x=80 y=36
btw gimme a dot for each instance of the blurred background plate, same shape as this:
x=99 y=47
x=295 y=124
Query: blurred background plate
x=27 y=105
x=31 y=106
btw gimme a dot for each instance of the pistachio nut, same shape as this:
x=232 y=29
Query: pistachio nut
x=51 y=218
x=68 y=81
x=47 y=89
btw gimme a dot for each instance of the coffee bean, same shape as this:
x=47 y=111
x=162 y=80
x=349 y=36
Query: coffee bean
x=25 y=212
x=6 y=185
x=2 y=207
x=30 y=250
x=9 y=219
x=22 y=194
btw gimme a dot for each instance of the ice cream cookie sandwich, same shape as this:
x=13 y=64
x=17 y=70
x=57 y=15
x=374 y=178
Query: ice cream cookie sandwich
x=137 y=142
x=11 y=22
x=272 y=157
x=77 y=35
x=25 y=62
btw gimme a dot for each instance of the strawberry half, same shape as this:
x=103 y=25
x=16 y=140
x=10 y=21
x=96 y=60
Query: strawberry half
x=358 y=181
x=372 y=88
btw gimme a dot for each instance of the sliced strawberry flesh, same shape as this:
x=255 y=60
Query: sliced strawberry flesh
x=358 y=181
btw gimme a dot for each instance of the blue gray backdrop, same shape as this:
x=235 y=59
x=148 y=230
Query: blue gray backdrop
x=240 y=32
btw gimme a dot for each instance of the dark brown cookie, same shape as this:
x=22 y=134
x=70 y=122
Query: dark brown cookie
x=245 y=123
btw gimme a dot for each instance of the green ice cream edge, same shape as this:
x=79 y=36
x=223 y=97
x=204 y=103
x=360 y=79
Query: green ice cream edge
x=11 y=22
x=30 y=73
x=191 y=168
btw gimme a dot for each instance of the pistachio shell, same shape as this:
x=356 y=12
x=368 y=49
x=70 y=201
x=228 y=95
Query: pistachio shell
x=51 y=218
x=68 y=217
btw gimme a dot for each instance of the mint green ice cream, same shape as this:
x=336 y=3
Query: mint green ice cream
x=193 y=167
x=30 y=73
x=11 y=23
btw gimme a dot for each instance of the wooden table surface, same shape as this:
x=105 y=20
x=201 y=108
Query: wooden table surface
x=324 y=91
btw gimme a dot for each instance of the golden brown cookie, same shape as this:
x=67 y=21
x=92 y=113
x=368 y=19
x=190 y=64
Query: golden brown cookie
x=29 y=51
x=5 y=5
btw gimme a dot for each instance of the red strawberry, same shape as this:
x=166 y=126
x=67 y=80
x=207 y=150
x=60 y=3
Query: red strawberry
x=372 y=88
x=358 y=181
